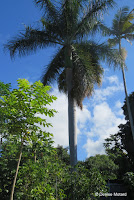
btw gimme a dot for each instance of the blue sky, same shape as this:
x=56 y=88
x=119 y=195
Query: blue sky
x=101 y=114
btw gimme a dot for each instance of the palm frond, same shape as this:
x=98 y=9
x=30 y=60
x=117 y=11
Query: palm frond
x=86 y=73
x=51 y=11
x=128 y=26
x=62 y=82
x=101 y=28
x=119 y=19
x=123 y=53
x=102 y=52
x=122 y=26
x=121 y=14
x=89 y=59
x=129 y=17
x=89 y=20
x=52 y=18
x=54 y=69
x=122 y=21
x=113 y=42
x=106 y=31
x=30 y=41
x=129 y=37
x=70 y=11
x=130 y=29
x=54 y=29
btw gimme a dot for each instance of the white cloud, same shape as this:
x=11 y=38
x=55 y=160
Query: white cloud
x=83 y=116
x=109 y=91
x=113 y=79
x=118 y=104
x=105 y=118
x=105 y=122
x=117 y=107
x=113 y=87
x=95 y=147
x=60 y=120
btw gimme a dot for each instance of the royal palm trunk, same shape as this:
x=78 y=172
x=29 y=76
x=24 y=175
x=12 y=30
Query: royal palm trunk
x=71 y=110
x=127 y=100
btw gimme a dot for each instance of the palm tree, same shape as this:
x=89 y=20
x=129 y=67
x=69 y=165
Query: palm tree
x=122 y=28
x=75 y=67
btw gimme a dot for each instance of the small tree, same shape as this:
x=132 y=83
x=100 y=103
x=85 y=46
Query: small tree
x=20 y=109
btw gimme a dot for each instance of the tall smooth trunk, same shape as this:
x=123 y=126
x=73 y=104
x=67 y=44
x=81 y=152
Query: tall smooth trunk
x=127 y=99
x=71 y=121
x=71 y=112
x=17 y=169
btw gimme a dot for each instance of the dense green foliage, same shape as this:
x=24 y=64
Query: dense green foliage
x=129 y=181
x=47 y=178
x=36 y=180
x=43 y=171
x=104 y=164
x=63 y=154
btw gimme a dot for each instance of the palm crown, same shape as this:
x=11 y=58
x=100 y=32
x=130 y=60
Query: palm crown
x=67 y=23
x=122 y=26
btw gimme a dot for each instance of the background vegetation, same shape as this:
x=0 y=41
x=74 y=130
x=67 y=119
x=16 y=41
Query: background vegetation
x=44 y=171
